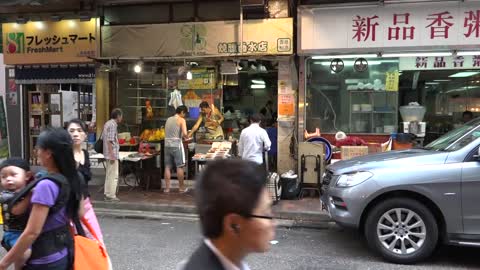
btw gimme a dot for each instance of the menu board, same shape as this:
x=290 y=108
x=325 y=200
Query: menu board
x=202 y=78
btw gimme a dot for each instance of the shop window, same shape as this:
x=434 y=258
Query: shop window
x=446 y=94
x=352 y=99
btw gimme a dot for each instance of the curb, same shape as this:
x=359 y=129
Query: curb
x=164 y=216
x=151 y=211
x=145 y=207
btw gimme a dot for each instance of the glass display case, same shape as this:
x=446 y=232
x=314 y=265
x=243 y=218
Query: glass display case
x=351 y=98
x=140 y=91
x=373 y=111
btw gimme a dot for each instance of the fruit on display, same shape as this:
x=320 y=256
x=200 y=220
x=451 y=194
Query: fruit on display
x=150 y=135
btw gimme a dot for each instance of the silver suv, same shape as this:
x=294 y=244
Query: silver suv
x=407 y=202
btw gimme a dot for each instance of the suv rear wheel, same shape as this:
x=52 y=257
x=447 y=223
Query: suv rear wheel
x=402 y=230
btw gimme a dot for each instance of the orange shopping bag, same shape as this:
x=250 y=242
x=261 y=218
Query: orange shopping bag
x=89 y=254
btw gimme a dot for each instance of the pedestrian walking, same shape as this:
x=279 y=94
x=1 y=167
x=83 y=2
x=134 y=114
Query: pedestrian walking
x=175 y=131
x=56 y=199
x=78 y=131
x=15 y=174
x=254 y=141
x=111 y=147
x=235 y=215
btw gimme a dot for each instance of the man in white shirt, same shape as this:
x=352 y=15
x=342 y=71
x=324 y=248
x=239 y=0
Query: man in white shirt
x=235 y=212
x=254 y=141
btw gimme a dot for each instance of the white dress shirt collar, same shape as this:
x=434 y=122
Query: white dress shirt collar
x=226 y=263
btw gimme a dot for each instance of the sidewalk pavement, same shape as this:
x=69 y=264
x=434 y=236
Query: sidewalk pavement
x=154 y=204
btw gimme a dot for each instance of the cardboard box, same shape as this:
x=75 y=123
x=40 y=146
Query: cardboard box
x=348 y=152
x=374 y=148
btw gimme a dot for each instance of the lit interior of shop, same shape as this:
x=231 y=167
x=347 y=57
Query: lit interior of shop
x=370 y=102
x=145 y=91
x=149 y=92
x=446 y=95
x=54 y=105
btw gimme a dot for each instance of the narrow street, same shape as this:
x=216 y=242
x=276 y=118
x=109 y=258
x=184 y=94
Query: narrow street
x=148 y=244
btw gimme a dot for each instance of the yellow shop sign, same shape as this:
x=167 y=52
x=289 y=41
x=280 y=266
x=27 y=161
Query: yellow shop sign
x=66 y=41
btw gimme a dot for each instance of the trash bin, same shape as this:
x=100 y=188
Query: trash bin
x=290 y=186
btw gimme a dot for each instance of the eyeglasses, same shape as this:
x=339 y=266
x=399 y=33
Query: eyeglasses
x=258 y=216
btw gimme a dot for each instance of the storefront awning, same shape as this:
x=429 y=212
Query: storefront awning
x=54 y=74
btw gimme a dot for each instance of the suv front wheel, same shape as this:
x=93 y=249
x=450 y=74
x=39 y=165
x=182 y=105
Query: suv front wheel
x=402 y=230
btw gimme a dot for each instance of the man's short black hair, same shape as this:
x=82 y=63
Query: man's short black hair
x=469 y=113
x=180 y=109
x=256 y=118
x=116 y=113
x=204 y=105
x=226 y=187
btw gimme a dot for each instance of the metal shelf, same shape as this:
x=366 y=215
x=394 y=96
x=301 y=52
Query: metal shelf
x=146 y=88
x=372 y=91
x=154 y=107
x=372 y=97
x=377 y=112
x=152 y=98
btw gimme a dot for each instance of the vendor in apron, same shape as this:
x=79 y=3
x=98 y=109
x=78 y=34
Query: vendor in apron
x=212 y=119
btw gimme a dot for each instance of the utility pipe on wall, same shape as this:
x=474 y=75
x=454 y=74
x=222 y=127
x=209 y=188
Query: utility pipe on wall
x=241 y=29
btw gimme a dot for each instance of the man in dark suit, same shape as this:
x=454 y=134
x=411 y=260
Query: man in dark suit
x=235 y=214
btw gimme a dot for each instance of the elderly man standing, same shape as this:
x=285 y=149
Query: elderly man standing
x=254 y=141
x=111 y=147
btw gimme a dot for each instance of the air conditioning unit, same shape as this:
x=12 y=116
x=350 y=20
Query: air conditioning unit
x=252 y=3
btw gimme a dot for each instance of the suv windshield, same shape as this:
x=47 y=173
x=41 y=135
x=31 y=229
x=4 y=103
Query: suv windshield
x=457 y=138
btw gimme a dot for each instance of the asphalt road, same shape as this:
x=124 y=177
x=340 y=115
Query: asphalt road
x=149 y=244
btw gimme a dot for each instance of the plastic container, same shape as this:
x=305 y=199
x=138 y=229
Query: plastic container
x=412 y=113
x=290 y=187
x=194 y=112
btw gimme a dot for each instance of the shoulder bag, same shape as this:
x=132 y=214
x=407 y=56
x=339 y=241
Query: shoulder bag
x=89 y=254
x=98 y=146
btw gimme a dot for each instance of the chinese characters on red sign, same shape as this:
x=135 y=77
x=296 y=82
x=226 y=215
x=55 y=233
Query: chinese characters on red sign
x=439 y=24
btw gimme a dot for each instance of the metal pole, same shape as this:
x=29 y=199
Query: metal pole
x=241 y=29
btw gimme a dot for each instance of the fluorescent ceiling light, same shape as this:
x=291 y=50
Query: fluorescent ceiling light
x=442 y=80
x=417 y=54
x=350 y=63
x=258 y=81
x=344 y=56
x=468 y=53
x=257 y=86
x=137 y=68
x=432 y=83
x=40 y=25
x=464 y=74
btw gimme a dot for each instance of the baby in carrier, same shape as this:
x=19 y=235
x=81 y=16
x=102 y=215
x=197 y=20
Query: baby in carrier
x=15 y=174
